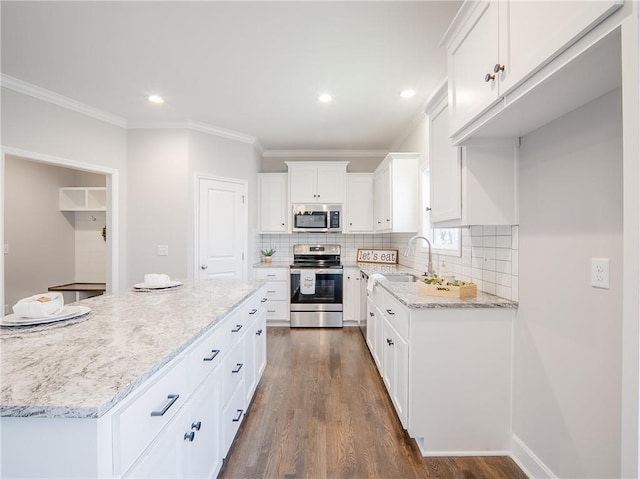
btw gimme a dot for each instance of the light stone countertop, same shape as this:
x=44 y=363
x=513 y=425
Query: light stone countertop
x=274 y=264
x=406 y=292
x=82 y=369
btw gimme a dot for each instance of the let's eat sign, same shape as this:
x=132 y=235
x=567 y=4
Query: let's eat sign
x=384 y=256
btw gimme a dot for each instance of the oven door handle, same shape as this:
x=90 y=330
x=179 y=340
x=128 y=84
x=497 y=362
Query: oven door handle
x=318 y=271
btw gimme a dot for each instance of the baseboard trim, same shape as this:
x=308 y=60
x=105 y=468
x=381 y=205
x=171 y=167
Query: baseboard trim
x=526 y=460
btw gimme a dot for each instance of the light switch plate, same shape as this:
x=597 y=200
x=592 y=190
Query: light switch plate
x=600 y=273
x=163 y=250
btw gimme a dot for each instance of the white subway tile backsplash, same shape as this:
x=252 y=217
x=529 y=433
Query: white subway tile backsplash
x=489 y=254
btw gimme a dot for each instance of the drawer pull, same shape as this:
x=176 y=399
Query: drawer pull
x=271 y=292
x=238 y=368
x=391 y=312
x=271 y=276
x=263 y=300
x=238 y=328
x=253 y=311
x=271 y=310
x=237 y=418
x=215 y=352
x=371 y=313
x=171 y=399
x=259 y=332
x=389 y=342
x=189 y=435
x=196 y=425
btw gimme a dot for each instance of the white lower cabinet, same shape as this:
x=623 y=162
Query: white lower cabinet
x=351 y=294
x=447 y=371
x=276 y=293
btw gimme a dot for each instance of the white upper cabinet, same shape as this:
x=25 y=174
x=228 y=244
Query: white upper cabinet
x=321 y=182
x=80 y=198
x=493 y=47
x=395 y=189
x=274 y=206
x=359 y=205
x=444 y=165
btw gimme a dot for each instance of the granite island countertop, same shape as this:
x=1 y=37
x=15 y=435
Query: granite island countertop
x=407 y=295
x=82 y=369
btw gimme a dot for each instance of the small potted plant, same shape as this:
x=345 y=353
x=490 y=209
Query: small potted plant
x=267 y=253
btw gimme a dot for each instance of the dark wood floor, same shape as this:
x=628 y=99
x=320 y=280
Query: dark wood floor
x=321 y=411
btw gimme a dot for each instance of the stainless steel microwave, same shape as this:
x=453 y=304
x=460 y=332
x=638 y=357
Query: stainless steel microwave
x=317 y=219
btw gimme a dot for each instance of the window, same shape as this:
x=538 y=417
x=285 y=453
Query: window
x=443 y=240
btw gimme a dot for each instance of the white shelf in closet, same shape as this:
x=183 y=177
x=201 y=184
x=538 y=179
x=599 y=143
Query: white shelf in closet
x=82 y=198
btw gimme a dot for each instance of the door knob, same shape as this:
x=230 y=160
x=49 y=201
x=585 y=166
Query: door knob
x=203 y=267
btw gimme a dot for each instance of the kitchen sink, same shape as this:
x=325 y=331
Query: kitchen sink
x=401 y=278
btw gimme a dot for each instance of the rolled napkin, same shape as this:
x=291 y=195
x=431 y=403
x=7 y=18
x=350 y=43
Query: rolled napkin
x=39 y=306
x=155 y=280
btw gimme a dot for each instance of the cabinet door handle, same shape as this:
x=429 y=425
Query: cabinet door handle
x=371 y=314
x=189 y=435
x=271 y=292
x=391 y=312
x=253 y=311
x=238 y=328
x=214 y=353
x=237 y=418
x=497 y=68
x=263 y=300
x=196 y=425
x=271 y=310
x=171 y=399
x=259 y=332
x=238 y=368
x=389 y=342
x=489 y=77
x=271 y=276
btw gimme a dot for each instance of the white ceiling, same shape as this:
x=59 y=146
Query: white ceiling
x=250 y=67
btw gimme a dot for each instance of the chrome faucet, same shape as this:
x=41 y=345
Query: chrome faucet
x=407 y=250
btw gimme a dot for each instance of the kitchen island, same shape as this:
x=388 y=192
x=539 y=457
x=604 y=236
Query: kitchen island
x=94 y=397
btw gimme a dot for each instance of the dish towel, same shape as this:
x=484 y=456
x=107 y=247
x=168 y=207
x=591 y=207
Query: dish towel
x=39 y=306
x=372 y=281
x=308 y=282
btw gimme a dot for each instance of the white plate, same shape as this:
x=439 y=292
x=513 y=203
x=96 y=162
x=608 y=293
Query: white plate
x=169 y=285
x=68 y=312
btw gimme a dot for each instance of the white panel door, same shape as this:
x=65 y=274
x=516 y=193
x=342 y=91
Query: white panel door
x=222 y=233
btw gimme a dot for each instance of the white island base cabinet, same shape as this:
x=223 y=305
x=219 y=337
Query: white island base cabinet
x=179 y=423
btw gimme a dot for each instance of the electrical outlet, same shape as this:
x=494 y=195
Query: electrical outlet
x=163 y=250
x=600 y=273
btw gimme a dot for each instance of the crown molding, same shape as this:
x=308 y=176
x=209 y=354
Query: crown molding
x=325 y=153
x=49 y=96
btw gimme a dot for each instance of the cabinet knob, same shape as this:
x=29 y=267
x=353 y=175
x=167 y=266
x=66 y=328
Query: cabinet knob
x=282 y=224
x=428 y=208
x=489 y=76
x=497 y=68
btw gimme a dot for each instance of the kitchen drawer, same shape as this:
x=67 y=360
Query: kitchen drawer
x=254 y=307
x=204 y=356
x=277 y=310
x=233 y=370
x=232 y=416
x=233 y=328
x=397 y=315
x=277 y=290
x=144 y=415
x=272 y=274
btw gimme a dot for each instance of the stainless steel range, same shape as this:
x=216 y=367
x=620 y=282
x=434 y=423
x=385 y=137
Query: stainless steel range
x=316 y=286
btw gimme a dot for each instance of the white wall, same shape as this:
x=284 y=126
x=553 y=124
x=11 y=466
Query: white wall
x=567 y=402
x=41 y=127
x=159 y=202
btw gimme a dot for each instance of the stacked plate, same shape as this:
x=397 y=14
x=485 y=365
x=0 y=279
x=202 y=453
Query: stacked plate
x=67 y=313
x=149 y=287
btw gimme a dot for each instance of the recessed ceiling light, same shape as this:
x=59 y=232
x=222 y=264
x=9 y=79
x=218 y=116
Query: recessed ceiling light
x=325 y=98
x=407 y=93
x=155 y=99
